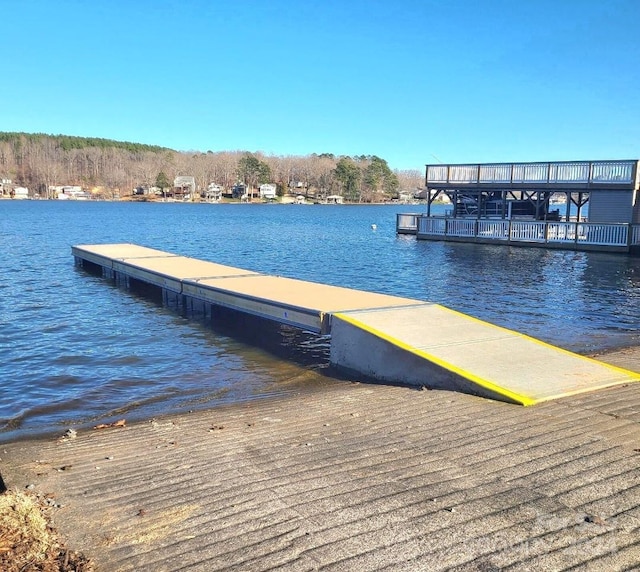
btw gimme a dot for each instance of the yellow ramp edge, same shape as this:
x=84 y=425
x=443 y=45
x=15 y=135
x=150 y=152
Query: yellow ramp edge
x=499 y=361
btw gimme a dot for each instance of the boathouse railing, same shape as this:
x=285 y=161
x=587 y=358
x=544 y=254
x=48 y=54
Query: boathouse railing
x=407 y=223
x=577 y=234
x=599 y=174
x=635 y=235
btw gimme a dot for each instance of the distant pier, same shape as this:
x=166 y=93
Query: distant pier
x=382 y=337
x=534 y=204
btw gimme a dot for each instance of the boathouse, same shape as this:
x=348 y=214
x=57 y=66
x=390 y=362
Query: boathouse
x=579 y=205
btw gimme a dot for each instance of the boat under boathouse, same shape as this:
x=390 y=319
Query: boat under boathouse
x=578 y=205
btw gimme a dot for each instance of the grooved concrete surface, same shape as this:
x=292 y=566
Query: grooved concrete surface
x=355 y=477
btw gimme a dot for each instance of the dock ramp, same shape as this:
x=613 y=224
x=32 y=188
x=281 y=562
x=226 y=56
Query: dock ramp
x=383 y=337
x=436 y=347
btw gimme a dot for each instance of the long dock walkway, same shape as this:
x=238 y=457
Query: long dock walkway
x=388 y=338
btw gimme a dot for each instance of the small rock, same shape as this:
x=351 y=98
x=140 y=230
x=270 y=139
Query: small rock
x=594 y=519
x=30 y=487
x=450 y=509
x=70 y=434
x=109 y=458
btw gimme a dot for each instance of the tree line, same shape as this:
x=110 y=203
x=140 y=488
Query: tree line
x=115 y=168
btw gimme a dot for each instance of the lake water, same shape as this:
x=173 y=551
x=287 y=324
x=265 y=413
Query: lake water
x=76 y=350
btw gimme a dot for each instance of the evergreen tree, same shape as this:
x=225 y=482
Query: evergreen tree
x=348 y=176
x=162 y=181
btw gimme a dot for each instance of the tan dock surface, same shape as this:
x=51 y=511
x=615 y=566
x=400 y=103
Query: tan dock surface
x=353 y=477
x=312 y=296
x=272 y=297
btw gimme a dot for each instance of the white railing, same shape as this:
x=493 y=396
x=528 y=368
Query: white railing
x=612 y=171
x=530 y=173
x=603 y=234
x=431 y=225
x=528 y=231
x=577 y=234
x=584 y=172
x=461 y=227
x=499 y=173
x=463 y=173
x=561 y=232
x=493 y=229
x=407 y=222
x=437 y=173
x=577 y=172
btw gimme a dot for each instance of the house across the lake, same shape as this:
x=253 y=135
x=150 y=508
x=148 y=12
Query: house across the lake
x=268 y=191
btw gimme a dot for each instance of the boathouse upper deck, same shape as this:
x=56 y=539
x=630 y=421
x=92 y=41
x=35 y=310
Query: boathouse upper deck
x=552 y=176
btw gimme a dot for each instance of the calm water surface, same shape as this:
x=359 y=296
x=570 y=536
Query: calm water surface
x=76 y=350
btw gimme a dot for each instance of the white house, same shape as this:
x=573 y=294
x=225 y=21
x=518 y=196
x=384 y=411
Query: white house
x=73 y=192
x=268 y=191
x=20 y=193
x=334 y=200
x=214 y=192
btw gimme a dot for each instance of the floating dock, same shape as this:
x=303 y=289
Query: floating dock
x=386 y=338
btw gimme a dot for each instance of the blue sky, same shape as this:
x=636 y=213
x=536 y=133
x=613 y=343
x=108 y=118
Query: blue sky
x=413 y=82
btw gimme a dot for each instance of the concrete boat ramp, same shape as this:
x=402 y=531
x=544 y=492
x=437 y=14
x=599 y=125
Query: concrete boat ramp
x=382 y=337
